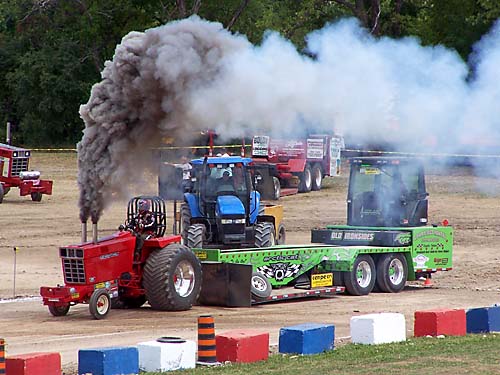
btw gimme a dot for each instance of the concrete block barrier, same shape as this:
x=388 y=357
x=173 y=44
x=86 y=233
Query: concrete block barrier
x=242 y=346
x=167 y=354
x=108 y=361
x=378 y=328
x=34 y=364
x=483 y=319
x=449 y=322
x=309 y=338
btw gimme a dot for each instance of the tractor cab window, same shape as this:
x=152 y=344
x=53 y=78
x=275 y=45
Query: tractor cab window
x=226 y=178
x=384 y=195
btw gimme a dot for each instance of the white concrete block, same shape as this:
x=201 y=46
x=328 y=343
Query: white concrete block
x=378 y=328
x=155 y=356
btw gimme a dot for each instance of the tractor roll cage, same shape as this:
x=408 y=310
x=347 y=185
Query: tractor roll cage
x=158 y=210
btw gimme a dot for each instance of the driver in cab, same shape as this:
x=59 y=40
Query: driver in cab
x=225 y=183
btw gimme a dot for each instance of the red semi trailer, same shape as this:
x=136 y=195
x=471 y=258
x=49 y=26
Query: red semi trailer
x=298 y=165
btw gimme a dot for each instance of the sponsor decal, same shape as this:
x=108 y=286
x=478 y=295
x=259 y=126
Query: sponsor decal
x=421 y=261
x=369 y=170
x=336 y=235
x=201 y=254
x=110 y=255
x=356 y=236
x=321 y=279
x=440 y=261
x=430 y=233
x=315 y=149
x=280 y=258
x=279 y=271
x=403 y=238
x=75 y=295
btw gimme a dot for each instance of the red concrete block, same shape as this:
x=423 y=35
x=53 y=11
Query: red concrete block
x=34 y=364
x=447 y=322
x=242 y=346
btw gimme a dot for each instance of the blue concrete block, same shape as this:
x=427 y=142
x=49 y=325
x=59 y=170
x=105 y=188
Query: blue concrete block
x=108 y=361
x=483 y=319
x=308 y=338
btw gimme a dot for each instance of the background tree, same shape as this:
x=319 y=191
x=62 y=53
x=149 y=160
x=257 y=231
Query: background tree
x=52 y=52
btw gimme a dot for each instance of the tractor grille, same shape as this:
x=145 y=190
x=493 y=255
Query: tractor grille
x=234 y=228
x=73 y=267
x=19 y=165
x=74 y=272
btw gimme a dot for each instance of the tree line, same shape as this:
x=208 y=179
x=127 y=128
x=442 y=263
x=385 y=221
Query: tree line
x=52 y=51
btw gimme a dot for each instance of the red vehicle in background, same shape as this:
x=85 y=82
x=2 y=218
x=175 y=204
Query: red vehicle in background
x=291 y=166
x=14 y=172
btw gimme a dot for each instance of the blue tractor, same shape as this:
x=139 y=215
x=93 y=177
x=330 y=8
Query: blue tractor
x=223 y=209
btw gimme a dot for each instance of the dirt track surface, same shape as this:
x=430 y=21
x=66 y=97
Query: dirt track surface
x=38 y=229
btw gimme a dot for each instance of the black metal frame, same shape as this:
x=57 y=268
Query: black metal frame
x=158 y=209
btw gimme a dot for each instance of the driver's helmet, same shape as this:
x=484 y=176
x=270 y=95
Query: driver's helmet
x=227 y=172
x=144 y=205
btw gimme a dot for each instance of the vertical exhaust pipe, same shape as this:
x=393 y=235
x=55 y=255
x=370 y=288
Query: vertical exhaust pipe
x=94 y=232
x=84 y=231
x=7 y=134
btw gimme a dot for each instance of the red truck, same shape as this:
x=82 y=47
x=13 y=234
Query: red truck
x=14 y=172
x=298 y=165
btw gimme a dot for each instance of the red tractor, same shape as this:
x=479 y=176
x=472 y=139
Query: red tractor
x=14 y=172
x=124 y=270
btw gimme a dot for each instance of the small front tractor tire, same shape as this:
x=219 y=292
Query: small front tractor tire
x=172 y=278
x=261 y=287
x=317 y=178
x=361 y=279
x=59 y=310
x=36 y=196
x=99 y=304
x=265 y=235
x=2 y=193
x=195 y=236
x=392 y=273
x=281 y=235
x=305 y=184
x=276 y=188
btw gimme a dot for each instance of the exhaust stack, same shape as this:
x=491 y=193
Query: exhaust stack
x=94 y=232
x=8 y=134
x=84 y=232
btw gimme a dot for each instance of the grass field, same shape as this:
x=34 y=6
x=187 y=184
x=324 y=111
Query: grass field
x=471 y=354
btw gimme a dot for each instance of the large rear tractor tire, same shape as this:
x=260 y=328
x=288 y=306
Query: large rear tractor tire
x=392 y=273
x=172 y=278
x=58 y=310
x=261 y=287
x=185 y=221
x=264 y=235
x=195 y=236
x=361 y=279
x=2 y=193
x=305 y=184
x=99 y=304
x=317 y=178
x=36 y=197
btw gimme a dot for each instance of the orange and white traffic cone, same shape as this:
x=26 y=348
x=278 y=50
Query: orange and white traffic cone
x=427 y=282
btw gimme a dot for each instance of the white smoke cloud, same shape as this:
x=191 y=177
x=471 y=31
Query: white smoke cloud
x=193 y=74
x=356 y=85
